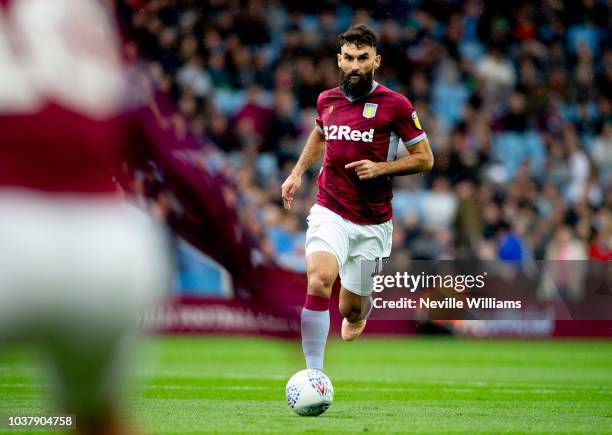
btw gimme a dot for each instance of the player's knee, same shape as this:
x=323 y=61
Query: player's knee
x=320 y=284
x=350 y=311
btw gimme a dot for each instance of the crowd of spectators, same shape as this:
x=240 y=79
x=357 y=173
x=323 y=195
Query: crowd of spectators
x=515 y=98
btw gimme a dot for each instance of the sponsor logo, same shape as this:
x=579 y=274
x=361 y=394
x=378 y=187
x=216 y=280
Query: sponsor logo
x=344 y=132
x=369 y=110
x=331 y=109
x=416 y=121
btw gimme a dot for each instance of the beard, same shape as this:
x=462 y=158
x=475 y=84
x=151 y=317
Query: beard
x=356 y=88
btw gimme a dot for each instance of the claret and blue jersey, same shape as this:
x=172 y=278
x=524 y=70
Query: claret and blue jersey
x=368 y=128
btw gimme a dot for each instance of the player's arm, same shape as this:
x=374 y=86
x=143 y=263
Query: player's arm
x=420 y=159
x=313 y=151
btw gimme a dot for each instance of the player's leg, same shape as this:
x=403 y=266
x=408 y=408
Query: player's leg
x=354 y=307
x=355 y=277
x=123 y=268
x=89 y=376
x=326 y=250
x=97 y=263
x=369 y=246
x=322 y=270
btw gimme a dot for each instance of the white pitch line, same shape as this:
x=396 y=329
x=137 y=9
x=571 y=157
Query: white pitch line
x=447 y=383
x=21 y=385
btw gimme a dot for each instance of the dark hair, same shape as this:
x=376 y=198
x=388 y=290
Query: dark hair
x=358 y=34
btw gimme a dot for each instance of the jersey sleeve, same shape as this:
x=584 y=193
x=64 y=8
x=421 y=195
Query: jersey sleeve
x=319 y=121
x=407 y=124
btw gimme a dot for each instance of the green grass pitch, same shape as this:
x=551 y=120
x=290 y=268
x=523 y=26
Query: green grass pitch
x=196 y=385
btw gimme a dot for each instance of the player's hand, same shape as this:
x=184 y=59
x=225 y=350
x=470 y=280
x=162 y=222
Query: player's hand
x=290 y=186
x=366 y=169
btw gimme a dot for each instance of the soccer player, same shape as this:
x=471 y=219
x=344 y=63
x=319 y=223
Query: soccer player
x=77 y=263
x=357 y=132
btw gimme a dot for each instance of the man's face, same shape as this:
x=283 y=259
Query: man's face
x=357 y=65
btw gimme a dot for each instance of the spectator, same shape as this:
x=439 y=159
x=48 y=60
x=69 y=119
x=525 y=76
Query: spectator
x=511 y=246
x=517 y=100
x=496 y=71
x=193 y=76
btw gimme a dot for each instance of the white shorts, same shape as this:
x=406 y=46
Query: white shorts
x=86 y=265
x=351 y=243
x=75 y=274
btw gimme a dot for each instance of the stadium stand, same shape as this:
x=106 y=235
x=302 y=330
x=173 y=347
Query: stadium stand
x=515 y=99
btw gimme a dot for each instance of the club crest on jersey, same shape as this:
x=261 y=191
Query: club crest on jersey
x=369 y=110
x=416 y=121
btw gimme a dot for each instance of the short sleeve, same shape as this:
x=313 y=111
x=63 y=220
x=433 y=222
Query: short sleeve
x=319 y=120
x=407 y=124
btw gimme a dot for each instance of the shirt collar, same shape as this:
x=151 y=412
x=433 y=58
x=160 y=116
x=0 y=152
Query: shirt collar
x=352 y=100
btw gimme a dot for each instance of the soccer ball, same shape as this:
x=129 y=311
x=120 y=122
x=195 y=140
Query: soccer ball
x=309 y=393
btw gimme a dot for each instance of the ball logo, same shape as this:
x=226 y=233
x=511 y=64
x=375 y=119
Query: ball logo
x=292 y=394
x=344 y=132
x=320 y=387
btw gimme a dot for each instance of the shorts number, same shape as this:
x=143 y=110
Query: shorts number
x=380 y=263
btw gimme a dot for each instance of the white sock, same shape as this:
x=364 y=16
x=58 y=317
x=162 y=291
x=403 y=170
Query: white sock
x=315 y=327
